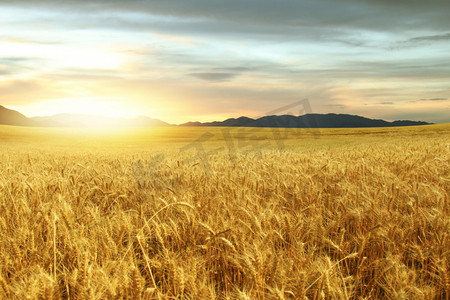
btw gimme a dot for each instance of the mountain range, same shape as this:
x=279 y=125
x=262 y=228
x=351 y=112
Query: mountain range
x=308 y=121
x=12 y=117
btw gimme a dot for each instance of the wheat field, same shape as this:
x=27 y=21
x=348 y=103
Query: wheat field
x=213 y=213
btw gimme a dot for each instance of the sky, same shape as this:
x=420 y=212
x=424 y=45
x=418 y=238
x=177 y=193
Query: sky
x=205 y=60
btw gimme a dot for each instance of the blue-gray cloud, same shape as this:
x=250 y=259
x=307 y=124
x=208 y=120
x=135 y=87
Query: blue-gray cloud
x=283 y=18
x=214 y=76
x=429 y=38
x=18 y=65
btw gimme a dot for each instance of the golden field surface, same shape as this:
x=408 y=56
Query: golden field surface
x=225 y=213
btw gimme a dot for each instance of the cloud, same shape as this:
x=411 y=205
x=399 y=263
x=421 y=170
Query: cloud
x=340 y=106
x=260 y=51
x=17 y=65
x=214 y=76
x=422 y=115
x=418 y=41
x=14 y=92
x=406 y=67
x=17 y=40
x=281 y=19
x=234 y=69
x=428 y=38
x=433 y=99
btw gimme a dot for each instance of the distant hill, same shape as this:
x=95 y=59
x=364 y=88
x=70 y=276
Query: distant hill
x=146 y=121
x=308 y=121
x=11 y=117
x=75 y=120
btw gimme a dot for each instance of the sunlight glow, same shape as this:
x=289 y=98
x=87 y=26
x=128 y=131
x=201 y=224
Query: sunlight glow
x=96 y=106
x=84 y=112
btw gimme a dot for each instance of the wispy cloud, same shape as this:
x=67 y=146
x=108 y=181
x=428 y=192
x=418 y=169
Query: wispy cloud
x=434 y=99
x=340 y=106
x=429 y=38
x=214 y=76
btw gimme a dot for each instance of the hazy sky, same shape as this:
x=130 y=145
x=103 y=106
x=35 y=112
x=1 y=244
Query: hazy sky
x=187 y=60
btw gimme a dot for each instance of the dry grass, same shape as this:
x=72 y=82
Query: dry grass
x=351 y=215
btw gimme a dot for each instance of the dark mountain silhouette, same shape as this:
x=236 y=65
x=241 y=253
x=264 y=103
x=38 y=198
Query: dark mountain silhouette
x=11 y=117
x=308 y=121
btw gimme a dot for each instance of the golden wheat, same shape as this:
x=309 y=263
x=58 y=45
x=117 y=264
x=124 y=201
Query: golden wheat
x=355 y=214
